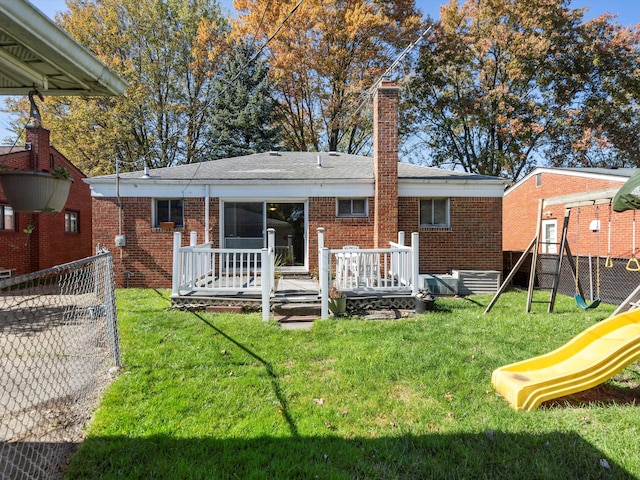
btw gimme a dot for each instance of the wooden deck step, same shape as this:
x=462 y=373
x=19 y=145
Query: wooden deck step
x=297 y=309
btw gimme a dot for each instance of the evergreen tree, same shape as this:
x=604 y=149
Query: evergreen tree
x=243 y=111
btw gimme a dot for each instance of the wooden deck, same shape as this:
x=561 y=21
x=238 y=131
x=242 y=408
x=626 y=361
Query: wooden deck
x=295 y=292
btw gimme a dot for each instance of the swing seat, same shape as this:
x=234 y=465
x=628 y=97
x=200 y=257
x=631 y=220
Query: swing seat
x=633 y=265
x=608 y=263
x=583 y=304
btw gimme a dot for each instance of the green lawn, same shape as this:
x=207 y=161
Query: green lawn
x=229 y=396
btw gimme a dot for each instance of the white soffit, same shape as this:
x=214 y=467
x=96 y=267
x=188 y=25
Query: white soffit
x=36 y=53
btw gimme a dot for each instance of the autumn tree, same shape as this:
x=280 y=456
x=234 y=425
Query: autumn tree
x=323 y=59
x=168 y=52
x=243 y=112
x=503 y=84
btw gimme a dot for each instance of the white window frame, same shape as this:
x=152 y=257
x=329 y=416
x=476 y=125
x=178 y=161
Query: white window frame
x=156 y=220
x=3 y=214
x=447 y=223
x=71 y=221
x=550 y=244
x=351 y=213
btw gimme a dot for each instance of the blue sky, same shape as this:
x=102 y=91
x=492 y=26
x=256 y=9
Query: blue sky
x=628 y=10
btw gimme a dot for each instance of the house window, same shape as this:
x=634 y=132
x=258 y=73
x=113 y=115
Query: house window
x=169 y=211
x=434 y=212
x=71 y=224
x=7 y=218
x=353 y=207
x=538 y=179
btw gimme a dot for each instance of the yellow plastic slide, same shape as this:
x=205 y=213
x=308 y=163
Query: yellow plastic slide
x=589 y=359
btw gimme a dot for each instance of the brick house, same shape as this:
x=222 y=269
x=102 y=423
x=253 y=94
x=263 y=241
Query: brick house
x=55 y=238
x=358 y=200
x=520 y=211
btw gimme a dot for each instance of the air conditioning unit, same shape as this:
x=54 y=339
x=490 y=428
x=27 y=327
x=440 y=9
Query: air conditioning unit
x=441 y=284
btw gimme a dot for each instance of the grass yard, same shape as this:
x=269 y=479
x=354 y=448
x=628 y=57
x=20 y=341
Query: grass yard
x=227 y=396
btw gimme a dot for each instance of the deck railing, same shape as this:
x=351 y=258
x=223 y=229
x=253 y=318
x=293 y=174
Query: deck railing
x=206 y=270
x=393 y=269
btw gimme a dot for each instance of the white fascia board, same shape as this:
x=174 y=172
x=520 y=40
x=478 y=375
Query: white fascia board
x=450 y=188
x=246 y=190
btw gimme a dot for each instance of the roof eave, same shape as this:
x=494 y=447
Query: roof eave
x=52 y=44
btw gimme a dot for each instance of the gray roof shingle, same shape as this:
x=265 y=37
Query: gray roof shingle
x=295 y=166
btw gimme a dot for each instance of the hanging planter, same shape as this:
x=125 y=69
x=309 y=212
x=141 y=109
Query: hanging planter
x=36 y=192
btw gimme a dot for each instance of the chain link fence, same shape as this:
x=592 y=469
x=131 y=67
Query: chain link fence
x=59 y=342
x=612 y=283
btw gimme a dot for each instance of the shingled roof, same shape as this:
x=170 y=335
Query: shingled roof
x=293 y=166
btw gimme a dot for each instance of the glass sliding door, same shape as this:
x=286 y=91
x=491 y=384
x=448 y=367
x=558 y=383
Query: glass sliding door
x=287 y=219
x=245 y=225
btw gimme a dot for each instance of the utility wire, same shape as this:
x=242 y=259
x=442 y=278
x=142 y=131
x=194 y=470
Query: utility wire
x=255 y=56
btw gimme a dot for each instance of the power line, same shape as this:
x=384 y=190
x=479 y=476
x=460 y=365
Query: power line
x=255 y=56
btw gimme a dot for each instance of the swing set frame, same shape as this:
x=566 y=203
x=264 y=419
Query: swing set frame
x=596 y=197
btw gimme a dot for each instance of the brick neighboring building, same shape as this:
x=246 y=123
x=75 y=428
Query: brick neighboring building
x=56 y=238
x=520 y=211
x=358 y=200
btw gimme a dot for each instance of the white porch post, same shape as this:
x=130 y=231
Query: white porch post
x=320 y=247
x=175 y=276
x=267 y=275
x=193 y=272
x=271 y=246
x=401 y=238
x=415 y=270
x=324 y=282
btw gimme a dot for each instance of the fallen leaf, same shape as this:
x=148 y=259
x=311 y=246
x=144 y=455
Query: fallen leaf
x=319 y=401
x=448 y=395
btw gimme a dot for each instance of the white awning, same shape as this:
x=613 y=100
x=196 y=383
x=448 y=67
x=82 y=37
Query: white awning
x=35 y=52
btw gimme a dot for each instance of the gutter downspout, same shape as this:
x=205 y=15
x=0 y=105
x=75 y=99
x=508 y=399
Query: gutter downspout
x=206 y=213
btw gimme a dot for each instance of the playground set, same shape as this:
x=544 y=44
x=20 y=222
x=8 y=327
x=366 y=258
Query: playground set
x=601 y=351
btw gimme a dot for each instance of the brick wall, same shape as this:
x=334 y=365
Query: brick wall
x=146 y=260
x=339 y=231
x=520 y=212
x=471 y=243
x=48 y=244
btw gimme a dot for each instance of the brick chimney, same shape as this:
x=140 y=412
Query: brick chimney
x=385 y=159
x=39 y=139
